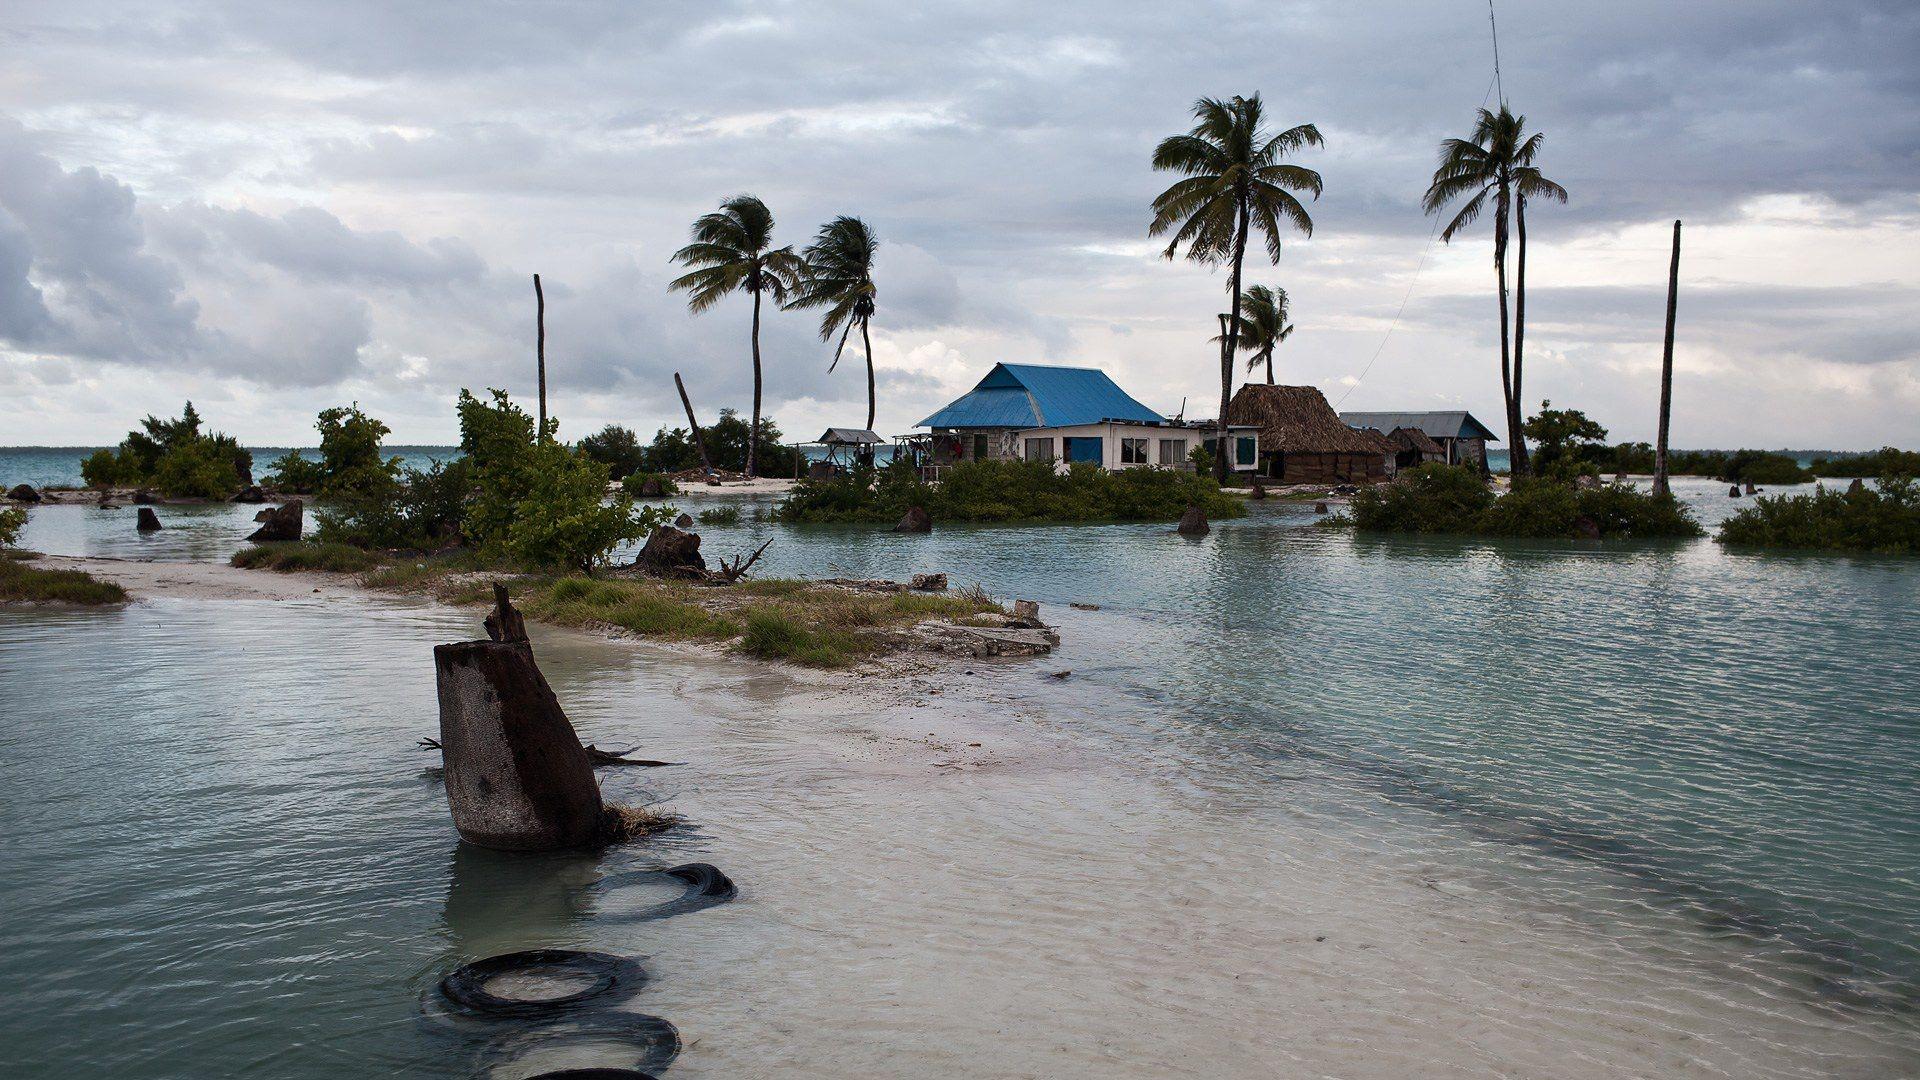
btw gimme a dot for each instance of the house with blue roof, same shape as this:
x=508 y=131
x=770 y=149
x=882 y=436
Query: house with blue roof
x=1037 y=412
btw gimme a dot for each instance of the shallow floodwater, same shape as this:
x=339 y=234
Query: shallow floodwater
x=1307 y=805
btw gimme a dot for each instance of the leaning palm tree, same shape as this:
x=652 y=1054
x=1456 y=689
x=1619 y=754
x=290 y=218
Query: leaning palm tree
x=1263 y=325
x=1481 y=169
x=732 y=251
x=1235 y=183
x=839 y=277
x=1527 y=184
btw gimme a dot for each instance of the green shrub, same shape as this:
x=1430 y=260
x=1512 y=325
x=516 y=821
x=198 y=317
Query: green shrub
x=672 y=449
x=1761 y=467
x=1885 y=520
x=25 y=583
x=175 y=457
x=635 y=484
x=719 y=515
x=295 y=474
x=304 y=555
x=201 y=469
x=12 y=520
x=424 y=509
x=106 y=468
x=1886 y=461
x=1437 y=498
x=1009 y=491
x=617 y=448
x=773 y=635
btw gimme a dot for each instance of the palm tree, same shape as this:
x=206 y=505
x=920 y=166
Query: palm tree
x=1235 y=182
x=1263 y=325
x=733 y=251
x=1527 y=184
x=839 y=277
x=1480 y=168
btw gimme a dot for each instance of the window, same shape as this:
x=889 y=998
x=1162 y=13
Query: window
x=1039 y=449
x=1173 y=451
x=979 y=448
x=1243 y=451
x=1133 y=451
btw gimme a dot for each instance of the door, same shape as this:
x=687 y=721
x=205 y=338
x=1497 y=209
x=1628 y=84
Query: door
x=1085 y=448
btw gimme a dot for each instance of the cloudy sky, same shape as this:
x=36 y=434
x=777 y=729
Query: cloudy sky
x=275 y=207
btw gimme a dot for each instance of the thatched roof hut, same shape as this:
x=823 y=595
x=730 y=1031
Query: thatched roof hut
x=1302 y=439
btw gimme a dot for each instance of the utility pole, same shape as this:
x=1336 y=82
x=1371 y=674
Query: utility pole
x=540 y=345
x=1666 y=369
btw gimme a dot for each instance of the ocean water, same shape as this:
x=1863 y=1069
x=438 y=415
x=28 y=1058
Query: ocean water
x=59 y=466
x=1306 y=804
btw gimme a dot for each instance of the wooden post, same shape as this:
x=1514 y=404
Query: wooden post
x=517 y=777
x=699 y=441
x=540 y=346
x=1660 y=486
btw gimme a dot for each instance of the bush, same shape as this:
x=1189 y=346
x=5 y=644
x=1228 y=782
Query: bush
x=105 y=469
x=12 y=520
x=1885 y=520
x=617 y=448
x=1885 y=461
x=295 y=474
x=175 y=457
x=1761 y=467
x=423 y=509
x=1009 y=491
x=672 y=449
x=635 y=485
x=719 y=515
x=1437 y=498
x=200 y=469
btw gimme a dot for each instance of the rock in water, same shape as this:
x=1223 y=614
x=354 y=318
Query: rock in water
x=669 y=550
x=1194 y=522
x=916 y=520
x=149 y=521
x=1319 y=508
x=279 y=523
x=1026 y=613
x=1258 y=492
x=684 y=521
x=252 y=493
x=23 y=493
x=930 y=582
x=517 y=778
x=1733 y=492
x=650 y=488
x=1750 y=489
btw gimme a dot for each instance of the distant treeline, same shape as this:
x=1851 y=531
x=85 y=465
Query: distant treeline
x=1750 y=466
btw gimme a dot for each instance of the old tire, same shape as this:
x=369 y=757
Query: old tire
x=626 y=1045
x=614 y=979
x=706 y=886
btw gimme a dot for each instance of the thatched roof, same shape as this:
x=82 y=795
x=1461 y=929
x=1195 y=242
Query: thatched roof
x=1410 y=438
x=1298 y=420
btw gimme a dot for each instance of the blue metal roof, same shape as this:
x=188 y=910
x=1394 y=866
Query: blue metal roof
x=1446 y=424
x=1034 y=395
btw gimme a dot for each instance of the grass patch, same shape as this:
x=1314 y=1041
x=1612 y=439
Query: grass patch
x=720 y=515
x=305 y=555
x=24 y=583
x=772 y=634
x=652 y=609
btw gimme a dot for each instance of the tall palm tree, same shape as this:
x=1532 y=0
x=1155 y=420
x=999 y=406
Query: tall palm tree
x=1263 y=325
x=1479 y=169
x=1236 y=182
x=732 y=251
x=1527 y=184
x=839 y=277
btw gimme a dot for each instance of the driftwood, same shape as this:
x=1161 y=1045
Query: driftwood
x=594 y=754
x=731 y=572
x=517 y=777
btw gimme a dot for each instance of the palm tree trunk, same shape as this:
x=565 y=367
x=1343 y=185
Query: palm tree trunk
x=1232 y=346
x=1516 y=453
x=753 y=430
x=1269 y=367
x=1520 y=313
x=1666 y=369
x=868 y=342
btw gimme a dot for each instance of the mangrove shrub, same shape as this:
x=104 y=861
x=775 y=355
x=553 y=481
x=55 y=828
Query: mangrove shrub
x=350 y=461
x=1883 y=520
x=175 y=457
x=1009 y=491
x=1436 y=498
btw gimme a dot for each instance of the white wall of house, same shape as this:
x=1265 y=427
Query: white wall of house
x=1122 y=445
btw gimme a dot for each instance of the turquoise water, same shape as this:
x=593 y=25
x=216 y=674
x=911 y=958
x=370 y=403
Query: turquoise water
x=1704 y=761
x=59 y=466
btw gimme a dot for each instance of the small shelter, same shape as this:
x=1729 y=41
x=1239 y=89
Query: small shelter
x=1302 y=440
x=1413 y=447
x=1462 y=439
x=855 y=443
x=988 y=422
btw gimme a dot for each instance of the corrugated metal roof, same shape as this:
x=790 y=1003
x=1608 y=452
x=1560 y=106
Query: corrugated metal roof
x=1454 y=424
x=848 y=436
x=1035 y=395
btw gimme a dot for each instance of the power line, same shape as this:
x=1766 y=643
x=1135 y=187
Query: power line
x=1494 y=28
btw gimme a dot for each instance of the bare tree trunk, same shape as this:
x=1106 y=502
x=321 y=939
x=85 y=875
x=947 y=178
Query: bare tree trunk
x=1520 y=303
x=1231 y=346
x=699 y=440
x=753 y=430
x=1517 y=450
x=540 y=346
x=1269 y=367
x=1660 y=486
x=868 y=342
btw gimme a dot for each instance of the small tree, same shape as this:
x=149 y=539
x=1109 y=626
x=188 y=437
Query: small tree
x=1563 y=436
x=615 y=447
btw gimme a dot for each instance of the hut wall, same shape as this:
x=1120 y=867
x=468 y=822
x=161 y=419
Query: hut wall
x=1332 y=468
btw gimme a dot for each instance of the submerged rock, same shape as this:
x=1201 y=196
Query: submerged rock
x=1733 y=492
x=669 y=551
x=252 y=493
x=1319 y=508
x=279 y=524
x=149 y=521
x=23 y=493
x=1194 y=522
x=916 y=520
x=684 y=521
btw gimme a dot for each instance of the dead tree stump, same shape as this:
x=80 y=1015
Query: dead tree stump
x=517 y=778
x=1194 y=522
x=148 y=521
